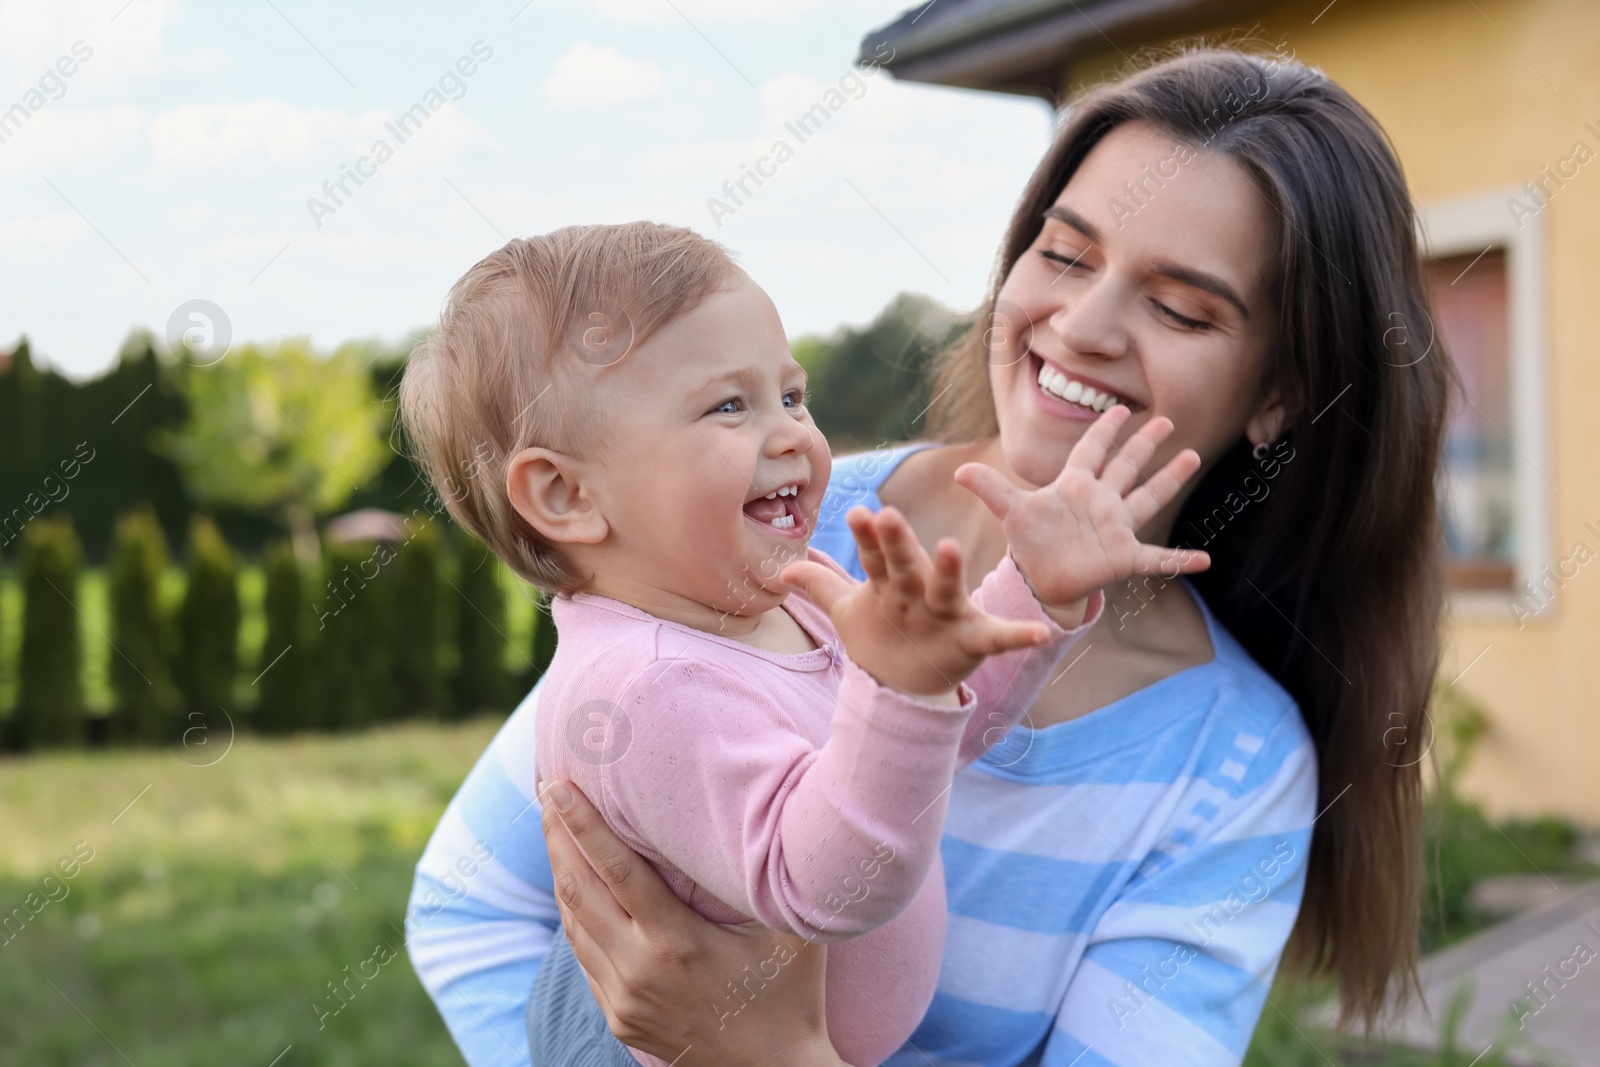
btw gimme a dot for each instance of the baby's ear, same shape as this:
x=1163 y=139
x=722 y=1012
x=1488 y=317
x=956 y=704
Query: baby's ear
x=547 y=489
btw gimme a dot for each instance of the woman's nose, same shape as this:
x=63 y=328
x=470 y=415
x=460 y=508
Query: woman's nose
x=1092 y=321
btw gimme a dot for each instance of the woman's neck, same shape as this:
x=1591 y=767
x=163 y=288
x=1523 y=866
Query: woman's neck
x=1151 y=626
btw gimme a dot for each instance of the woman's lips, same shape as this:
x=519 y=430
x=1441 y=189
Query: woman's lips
x=1053 y=404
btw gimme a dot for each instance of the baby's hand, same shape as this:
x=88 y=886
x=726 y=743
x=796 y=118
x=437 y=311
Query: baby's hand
x=1077 y=534
x=911 y=624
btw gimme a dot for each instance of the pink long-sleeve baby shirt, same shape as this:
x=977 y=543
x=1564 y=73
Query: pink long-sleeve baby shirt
x=793 y=790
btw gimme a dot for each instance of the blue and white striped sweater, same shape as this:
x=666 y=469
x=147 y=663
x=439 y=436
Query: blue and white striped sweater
x=1120 y=885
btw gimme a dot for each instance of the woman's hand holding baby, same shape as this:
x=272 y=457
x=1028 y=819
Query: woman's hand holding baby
x=1080 y=533
x=911 y=624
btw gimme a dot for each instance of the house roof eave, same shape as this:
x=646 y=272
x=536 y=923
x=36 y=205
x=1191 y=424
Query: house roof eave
x=1020 y=46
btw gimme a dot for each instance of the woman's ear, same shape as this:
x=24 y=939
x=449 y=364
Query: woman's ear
x=547 y=489
x=1266 y=424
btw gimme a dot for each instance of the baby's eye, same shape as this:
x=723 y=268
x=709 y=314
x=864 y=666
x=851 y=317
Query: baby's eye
x=731 y=406
x=796 y=398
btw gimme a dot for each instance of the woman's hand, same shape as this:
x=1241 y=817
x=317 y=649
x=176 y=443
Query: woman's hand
x=911 y=624
x=661 y=973
x=1079 y=533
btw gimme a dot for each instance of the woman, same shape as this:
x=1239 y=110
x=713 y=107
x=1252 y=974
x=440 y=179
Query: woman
x=1222 y=239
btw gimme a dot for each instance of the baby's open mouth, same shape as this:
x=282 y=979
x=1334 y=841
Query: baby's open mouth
x=779 y=509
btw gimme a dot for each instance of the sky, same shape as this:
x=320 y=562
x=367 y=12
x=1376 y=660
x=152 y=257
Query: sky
x=159 y=152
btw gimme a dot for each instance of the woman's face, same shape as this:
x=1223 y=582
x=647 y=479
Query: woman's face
x=1147 y=283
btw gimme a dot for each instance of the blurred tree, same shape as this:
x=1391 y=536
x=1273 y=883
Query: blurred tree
x=356 y=643
x=83 y=448
x=418 y=633
x=50 y=698
x=481 y=682
x=284 y=429
x=288 y=653
x=208 y=622
x=146 y=703
x=870 y=385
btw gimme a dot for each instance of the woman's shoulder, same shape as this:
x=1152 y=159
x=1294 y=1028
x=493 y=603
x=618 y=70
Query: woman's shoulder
x=856 y=479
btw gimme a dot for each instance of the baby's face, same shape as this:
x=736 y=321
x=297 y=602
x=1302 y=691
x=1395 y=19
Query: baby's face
x=713 y=472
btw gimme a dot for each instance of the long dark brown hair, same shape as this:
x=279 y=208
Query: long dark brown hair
x=1333 y=582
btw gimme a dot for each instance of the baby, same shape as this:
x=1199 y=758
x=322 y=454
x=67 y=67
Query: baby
x=615 y=412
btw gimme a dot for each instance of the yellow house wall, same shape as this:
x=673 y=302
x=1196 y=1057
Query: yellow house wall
x=1477 y=97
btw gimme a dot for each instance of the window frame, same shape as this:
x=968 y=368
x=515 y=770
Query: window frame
x=1466 y=226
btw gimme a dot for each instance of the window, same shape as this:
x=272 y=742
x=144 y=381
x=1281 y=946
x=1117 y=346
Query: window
x=1484 y=278
x=1469 y=298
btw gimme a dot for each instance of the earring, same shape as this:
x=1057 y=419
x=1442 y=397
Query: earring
x=1260 y=451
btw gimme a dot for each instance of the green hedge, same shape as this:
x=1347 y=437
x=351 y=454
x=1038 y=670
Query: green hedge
x=50 y=690
x=404 y=630
x=481 y=682
x=146 y=702
x=418 y=635
x=355 y=655
x=208 y=622
x=284 y=671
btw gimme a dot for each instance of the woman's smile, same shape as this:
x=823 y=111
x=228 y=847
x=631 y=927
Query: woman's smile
x=1072 y=394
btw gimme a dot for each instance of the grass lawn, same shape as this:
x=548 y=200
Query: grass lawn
x=218 y=906
x=218 y=891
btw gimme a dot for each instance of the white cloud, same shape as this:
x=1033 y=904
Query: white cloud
x=254 y=249
x=54 y=137
x=50 y=231
x=588 y=76
x=219 y=135
x=34 y=35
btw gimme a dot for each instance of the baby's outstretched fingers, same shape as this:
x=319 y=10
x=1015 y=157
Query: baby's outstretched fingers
x=1171 y=562
x=1095 y=445
x=998 y=493
x=868 y=548
x=1127 y=463
x=948 y=592
x=907 y=561
x=992 y=635
x=1161 y=487
x=823 y=585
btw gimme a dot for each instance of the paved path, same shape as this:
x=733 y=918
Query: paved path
x=1535 y=979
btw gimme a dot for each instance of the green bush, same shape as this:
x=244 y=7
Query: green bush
x=50 y=694
x=283 y=674
x=418 y=634
x=146 y=703
x=208 y=622
x=481 y=682
x=355 y=655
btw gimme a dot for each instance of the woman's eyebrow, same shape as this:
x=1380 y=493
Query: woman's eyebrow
x=1209 y=283
x=1073 y=219
x=1201 y=280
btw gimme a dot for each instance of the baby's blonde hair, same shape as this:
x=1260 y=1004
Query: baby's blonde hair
x=536 y=317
